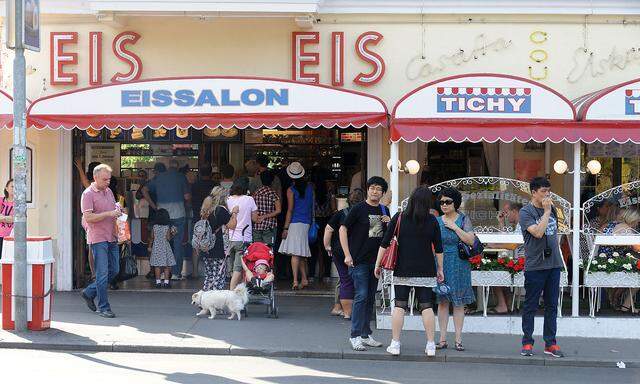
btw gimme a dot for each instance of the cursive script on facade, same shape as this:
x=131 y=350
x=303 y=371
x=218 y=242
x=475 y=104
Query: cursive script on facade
x=419 y=67
x=587 y=62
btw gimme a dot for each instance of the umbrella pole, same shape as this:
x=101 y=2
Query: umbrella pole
x=395 y=193
x=575 y=222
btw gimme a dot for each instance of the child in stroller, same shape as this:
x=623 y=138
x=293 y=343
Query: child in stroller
x=262 y=274
x=257 y=263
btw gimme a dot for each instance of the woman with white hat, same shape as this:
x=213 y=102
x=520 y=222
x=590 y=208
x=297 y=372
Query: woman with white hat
x=295 y=236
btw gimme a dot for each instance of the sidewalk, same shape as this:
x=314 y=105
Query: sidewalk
x=164 y=322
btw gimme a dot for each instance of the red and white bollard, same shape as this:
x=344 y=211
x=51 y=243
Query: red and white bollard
x=39 y=283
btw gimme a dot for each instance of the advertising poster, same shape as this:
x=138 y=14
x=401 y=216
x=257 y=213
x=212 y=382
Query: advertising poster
x=106 y=153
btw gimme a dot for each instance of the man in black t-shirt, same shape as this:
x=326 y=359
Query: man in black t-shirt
x=360 y=237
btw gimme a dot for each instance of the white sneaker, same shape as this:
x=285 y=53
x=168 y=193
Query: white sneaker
x=356 y=344
x=394 y=348
x=370 y=342
x=430 y=350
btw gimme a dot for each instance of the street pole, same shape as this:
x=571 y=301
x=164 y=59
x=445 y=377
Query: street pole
x=19 y=162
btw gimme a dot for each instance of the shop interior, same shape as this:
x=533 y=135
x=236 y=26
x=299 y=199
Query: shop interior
x=133 y=153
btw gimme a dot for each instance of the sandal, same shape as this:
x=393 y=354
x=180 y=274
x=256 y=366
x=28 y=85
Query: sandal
x=470 y=311
x=625 y=309
x=494 y=311
x=459 y=347
x=336 y=313
x=294 y=287
x=442 y=345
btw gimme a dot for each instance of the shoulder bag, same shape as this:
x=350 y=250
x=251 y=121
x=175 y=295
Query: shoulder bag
x=465 y=252
x=390 y=257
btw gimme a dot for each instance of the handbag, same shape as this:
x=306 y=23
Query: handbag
x=128 y=264
x=390 y=257
x=465 y=252
x=313 y=232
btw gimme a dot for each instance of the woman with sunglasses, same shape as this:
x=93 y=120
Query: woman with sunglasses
x=454 y=228
x=418 y=239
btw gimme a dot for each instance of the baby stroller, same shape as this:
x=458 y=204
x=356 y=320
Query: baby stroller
x=260 y=292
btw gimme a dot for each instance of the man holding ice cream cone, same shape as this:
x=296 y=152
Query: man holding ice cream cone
x=99 y=212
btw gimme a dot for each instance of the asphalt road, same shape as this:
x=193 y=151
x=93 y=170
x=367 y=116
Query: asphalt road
x=30 y=366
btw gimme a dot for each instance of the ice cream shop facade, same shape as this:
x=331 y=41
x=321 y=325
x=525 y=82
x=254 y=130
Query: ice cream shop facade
x=110 y=85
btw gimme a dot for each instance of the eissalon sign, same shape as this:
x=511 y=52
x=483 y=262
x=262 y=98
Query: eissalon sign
x=251 y=97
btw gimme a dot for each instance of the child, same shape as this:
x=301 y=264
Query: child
x=161 y=253
x=261 y=274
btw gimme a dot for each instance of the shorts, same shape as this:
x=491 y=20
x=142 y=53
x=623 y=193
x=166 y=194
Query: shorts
x=267 y=236
x=236 y=252
x=423 y=296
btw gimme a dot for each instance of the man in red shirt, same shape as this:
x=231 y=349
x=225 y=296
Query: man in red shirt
x=99 y=213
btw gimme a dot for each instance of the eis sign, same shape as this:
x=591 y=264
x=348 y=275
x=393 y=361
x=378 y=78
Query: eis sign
x=484 y=100
x=304 y=57
x=632 y=102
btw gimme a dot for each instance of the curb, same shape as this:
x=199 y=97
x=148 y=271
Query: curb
x=329 y=355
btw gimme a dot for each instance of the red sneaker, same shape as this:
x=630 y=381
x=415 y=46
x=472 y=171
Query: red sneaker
x=527 y=350
x=554 y=351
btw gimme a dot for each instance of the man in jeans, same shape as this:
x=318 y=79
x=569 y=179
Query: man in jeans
x=171 y=190
x=360 y=237
x=543 y=262
x=99 y=214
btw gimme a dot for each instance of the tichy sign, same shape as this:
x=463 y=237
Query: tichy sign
x=632 y=102
x=206 y=97
x=483 y=100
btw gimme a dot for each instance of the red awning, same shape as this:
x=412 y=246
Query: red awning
x=212 y=102
x=611 y=114
x=6 y=110
x=484 y=107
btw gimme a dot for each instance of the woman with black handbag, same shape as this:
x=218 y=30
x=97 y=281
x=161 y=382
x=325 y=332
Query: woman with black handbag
x=417 y=236
x=455 y=228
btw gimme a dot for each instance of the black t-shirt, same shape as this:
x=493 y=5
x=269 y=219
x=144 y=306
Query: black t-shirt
x=220 y=217
x=335 y=222
x=199 y=191
x=365 y=229
x=416 y=245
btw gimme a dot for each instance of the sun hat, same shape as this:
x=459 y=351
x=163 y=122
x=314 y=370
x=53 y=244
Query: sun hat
x=261 y=262
x=295 y=170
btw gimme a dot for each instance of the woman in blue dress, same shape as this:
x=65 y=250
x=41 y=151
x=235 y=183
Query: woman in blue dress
x=454 y=227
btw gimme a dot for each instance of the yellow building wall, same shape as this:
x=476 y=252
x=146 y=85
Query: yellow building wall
x=415 y=53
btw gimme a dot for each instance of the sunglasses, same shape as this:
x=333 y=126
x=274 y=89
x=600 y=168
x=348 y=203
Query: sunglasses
x=446 y=202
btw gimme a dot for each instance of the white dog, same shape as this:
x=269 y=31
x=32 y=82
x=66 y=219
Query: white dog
x=234 y=301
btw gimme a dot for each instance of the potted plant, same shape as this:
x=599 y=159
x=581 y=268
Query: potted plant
x=491 y=272
x=614 y=270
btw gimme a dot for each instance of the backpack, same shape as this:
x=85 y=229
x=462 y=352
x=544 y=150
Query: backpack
x=203 y=239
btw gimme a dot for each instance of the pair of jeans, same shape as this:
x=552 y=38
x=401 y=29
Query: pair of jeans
x=365 y=284
x=178 y=247
x=106 y=256
x=547 y=283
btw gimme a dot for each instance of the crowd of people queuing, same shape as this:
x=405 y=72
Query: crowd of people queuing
x=280 y=208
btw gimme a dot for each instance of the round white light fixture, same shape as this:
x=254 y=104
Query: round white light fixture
x=390 y=164
x=594 y=167
x=413 y=167
x=560 y=167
